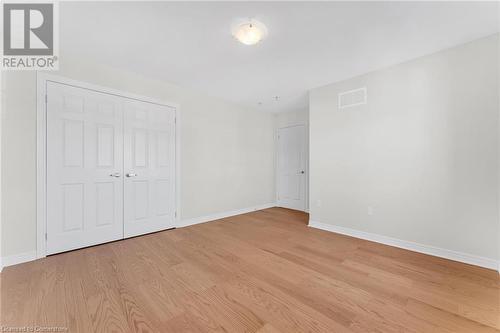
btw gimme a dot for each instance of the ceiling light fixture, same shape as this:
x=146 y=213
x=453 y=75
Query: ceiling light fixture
x=249 y=32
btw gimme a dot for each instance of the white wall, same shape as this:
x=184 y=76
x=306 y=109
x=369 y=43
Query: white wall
x=498 y=80
x=18 y=163
x=285 y=119
x=1 y=116
x=227 y=152
x=423 y=153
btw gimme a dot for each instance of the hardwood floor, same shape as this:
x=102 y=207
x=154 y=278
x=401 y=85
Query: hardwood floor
x=264 y=271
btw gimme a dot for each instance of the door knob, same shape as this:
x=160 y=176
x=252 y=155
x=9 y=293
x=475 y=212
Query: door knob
x=302 y=172
x=116 y=175
x=131 y=175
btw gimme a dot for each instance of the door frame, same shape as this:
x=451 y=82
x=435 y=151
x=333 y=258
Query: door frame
x=41 y=147
x=276 y=153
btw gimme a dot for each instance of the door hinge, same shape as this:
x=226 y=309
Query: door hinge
x=175 y=214
x=45 y=98
x=45 y=236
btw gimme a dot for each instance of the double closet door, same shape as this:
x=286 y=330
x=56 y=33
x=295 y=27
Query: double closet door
x=110 y=167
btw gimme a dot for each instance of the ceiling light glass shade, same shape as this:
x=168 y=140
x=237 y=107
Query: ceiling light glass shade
x=249 y=32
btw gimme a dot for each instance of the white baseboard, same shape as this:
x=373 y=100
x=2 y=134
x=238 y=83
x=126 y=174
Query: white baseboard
x=17 y=259
x=416 y=247
x=29 y=256
x=218 y=216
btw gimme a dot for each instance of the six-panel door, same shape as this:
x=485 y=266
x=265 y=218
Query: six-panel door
x=94 y=140
x=291 y=167
x=84 y=165
x=149 y=139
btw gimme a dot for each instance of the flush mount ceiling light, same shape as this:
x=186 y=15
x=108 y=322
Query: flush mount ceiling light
x=249 y=32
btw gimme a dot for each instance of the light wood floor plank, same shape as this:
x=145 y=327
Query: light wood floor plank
x=264 y=272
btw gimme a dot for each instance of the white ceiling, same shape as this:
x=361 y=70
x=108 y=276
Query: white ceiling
x=309 y=44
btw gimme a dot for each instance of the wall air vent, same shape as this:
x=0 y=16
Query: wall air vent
x=351 y=98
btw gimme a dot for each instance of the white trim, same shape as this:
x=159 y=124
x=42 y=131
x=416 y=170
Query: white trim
x=33 y=255
x=43 y=77
x=416 y=247
x=340 y=107
x=177 y=165
x=18 y=258
x=41 y=179
x=218 y=216
x=41 y=191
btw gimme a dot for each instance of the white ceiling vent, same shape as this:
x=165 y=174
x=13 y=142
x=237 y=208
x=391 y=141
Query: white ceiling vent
x=352 y=98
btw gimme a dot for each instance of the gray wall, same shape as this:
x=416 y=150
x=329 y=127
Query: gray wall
x=422 y=155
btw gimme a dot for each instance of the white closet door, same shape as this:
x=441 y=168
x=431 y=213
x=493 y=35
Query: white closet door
x=291 y=167
x=149 y=152
x=84 y=168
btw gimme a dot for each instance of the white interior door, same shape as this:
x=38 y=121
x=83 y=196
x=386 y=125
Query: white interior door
x=291 y=170
x=149 y=167
x=84 y=168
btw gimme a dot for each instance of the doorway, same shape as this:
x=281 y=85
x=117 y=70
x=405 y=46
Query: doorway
x=110 y=166
x=291 y=171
